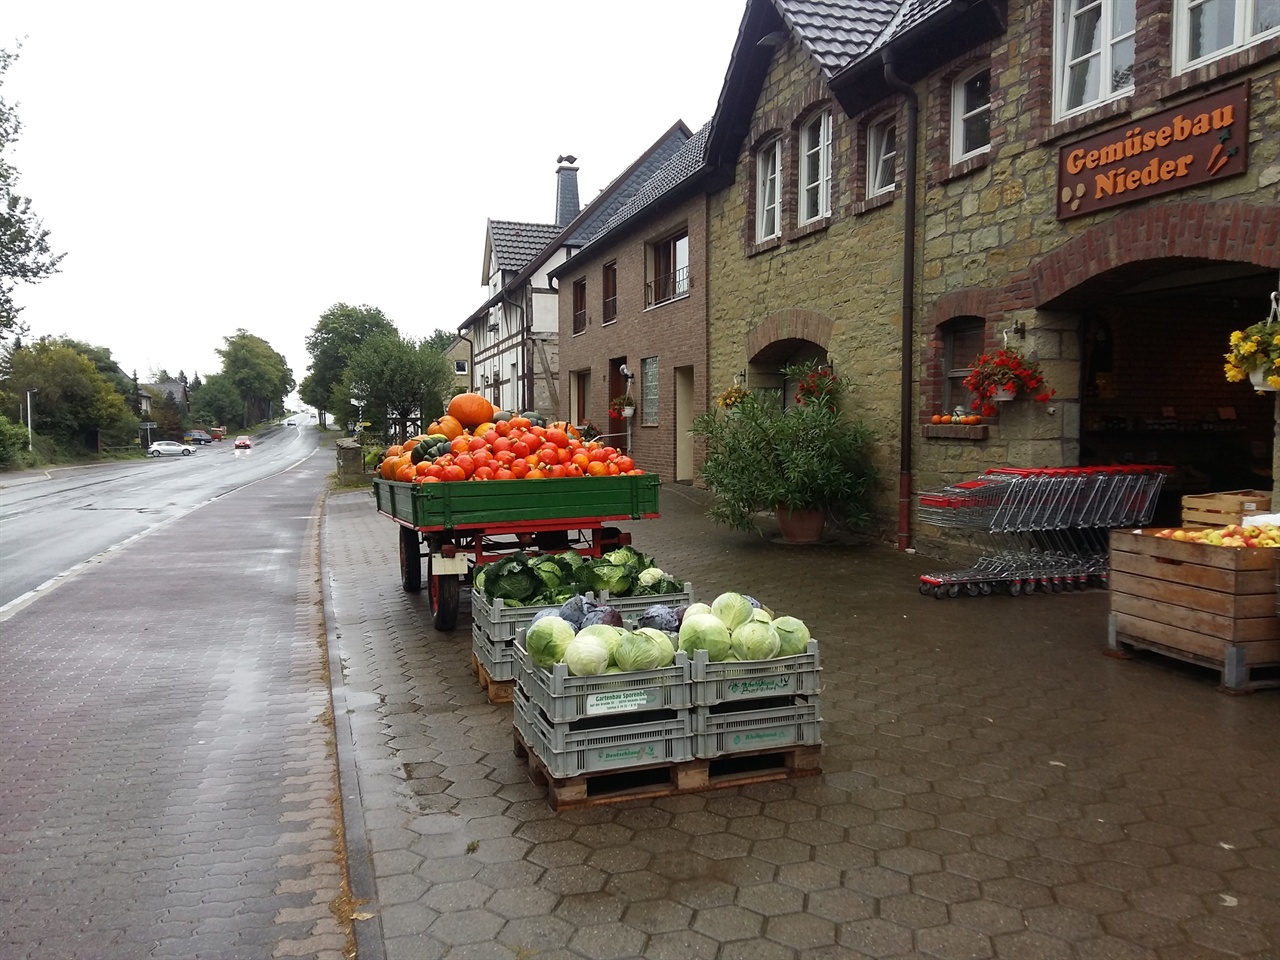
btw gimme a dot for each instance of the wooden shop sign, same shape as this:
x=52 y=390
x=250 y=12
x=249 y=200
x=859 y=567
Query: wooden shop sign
x=1206 y=139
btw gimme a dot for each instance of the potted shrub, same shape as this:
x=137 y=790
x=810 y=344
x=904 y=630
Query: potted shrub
x=622 y=406
x=1004 y=375
x=803 y=461
x=1255 y=354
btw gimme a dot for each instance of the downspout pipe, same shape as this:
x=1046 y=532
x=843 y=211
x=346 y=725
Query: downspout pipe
x=906 y=422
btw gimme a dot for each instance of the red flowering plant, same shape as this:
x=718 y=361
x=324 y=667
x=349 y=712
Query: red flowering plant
x=1005 y=375
x=817 y=386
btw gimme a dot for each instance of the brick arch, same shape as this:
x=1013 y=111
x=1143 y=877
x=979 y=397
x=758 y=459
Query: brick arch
x=792 y=324
x=968 y=302
x=1228 y=230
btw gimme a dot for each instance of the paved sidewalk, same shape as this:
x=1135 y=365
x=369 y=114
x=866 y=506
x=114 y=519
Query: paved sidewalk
x=992 y=786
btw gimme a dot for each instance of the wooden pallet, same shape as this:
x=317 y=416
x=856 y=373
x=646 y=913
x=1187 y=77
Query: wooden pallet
x=1211 y=606
x=498 y=691
x=667 y=780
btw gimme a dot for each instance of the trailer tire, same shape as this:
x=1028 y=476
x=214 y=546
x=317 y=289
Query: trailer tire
x=410 y=561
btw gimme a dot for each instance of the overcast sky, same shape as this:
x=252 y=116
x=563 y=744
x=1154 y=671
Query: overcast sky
x=214 y=164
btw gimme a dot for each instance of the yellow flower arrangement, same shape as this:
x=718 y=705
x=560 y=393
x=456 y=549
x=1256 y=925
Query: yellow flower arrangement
x=1255 y=348
x=732 y=397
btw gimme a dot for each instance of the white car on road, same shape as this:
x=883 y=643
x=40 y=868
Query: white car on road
x=170 y=448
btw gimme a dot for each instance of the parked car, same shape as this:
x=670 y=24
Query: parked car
x=218 y=432
x=244 y=443
x=199 y=436
x=170 y=448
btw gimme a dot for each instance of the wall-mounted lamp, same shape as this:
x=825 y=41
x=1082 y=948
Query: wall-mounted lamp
x=1019 y=329
x=740 y=377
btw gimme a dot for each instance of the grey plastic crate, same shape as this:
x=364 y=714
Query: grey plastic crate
x=568 y=753
x=741 y=731
x=499 y=659
x=566 y=698
x=720 y=682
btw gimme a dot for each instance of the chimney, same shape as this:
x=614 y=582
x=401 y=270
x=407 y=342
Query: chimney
x=566 y=191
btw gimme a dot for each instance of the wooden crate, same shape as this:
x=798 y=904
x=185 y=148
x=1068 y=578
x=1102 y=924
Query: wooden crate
x=1215 y=606
x=1219 y=509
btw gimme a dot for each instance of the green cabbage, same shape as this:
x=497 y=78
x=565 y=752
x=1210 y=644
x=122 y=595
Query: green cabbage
x=547 y=639
x=512 y=578
x=644 y=649
x=794 y=636
x=693 y=608
x=704 y=631
x=733 y=609
x=608 y=633
x=754 y=640
x=548 y=571
x=587 y=655
x=649 y=577
x=668 y=637
x=601 y=575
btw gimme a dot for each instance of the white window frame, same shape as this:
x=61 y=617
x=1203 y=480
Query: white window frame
x=1068 y=17
x=815 y=185
x=959 y=115
x=1243 y=12
x=460 y=368
x=769 y=176
x=877 y=132
x=649 y=391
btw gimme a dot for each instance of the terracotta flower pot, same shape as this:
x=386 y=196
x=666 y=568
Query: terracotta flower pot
x=800 y=526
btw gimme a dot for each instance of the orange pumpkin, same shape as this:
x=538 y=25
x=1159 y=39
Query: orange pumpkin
x=470 y=409
x=448 y=427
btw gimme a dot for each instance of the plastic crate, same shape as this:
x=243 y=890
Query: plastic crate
x=632 y=607
x=565 y=698
x=568 y=752
x=498 y=658
x=727 y=681
x=771 y=728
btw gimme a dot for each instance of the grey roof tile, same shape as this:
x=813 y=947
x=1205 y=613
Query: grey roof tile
x=836 y=32
x=515 y=244
x=678 y=168
x=618 y=194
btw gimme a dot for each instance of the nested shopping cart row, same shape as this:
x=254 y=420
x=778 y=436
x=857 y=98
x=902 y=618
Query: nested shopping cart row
x=1042 y=528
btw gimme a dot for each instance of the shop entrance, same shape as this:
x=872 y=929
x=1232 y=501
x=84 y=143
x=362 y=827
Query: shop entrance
x=1153 y=390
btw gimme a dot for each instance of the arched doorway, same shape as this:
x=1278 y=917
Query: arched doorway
x=784 y=338
x=1152 y=390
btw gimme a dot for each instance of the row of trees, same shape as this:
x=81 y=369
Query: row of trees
x=361 y=367
x=83 y=401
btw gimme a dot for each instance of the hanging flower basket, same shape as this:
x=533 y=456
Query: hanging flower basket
x=1005 y=375
x=622 y=407
x=1255 y=352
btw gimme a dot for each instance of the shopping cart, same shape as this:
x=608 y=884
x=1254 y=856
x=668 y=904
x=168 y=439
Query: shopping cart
x=1040 y=529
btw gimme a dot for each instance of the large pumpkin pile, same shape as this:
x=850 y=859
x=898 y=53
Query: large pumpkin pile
x=473 y=441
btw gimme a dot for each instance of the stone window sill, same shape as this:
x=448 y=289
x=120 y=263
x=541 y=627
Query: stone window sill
x=977 y=431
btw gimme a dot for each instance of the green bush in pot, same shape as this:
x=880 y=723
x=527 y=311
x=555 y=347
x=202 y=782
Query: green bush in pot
x=761 y=455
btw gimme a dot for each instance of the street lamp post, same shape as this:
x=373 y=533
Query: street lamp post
x=30 y=433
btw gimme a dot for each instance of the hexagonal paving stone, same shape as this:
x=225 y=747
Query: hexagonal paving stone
x=910 y=910
x=720 y=846
x=575 y=878
x=1063 y=922
x=809 y=876
x=878 y=881
x=681 y=945
x=909 y=860
x=703 y=894
x=406 y=919
x=756 y=950
x=458 y=895
x=614 y=860
x=756 y=827
x=521 y=902
x=1030 y=945
x=728 y=923
x=875 y=937
x=658 y=916
x=987 y=917
x=597 y=835
x=800 y=931
x=1017 y=892
x=768 y=899
x=955 y=943
x=559 y=853
x=506 y=874
x=466 y=926
x=536 y=936
x=589 y=909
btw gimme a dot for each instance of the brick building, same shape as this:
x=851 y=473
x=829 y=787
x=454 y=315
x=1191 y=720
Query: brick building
x=1036 y=173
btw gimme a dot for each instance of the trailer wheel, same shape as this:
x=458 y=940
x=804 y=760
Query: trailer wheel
x=444 y=594
x=410 y=561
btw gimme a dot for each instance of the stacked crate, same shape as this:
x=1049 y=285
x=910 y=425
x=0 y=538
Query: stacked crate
x=617 y=721
x=494 y=626
x=753 y=706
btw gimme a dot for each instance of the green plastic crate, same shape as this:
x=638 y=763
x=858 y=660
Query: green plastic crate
x=447 y=506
